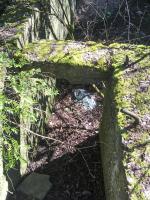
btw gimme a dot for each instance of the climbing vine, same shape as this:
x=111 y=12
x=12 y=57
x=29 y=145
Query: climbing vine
x=20 y=103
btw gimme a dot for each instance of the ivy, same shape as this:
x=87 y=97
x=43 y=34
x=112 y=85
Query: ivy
x=18 y=100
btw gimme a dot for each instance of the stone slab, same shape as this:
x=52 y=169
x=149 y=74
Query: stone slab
x=35 y=186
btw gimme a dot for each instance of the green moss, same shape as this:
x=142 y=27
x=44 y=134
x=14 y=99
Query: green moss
x=128 y=95
x=55 y=52
x=94 y=46
x=118 y=45
x=102 y=63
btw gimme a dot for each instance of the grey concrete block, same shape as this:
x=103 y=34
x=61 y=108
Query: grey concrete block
x=35 y=186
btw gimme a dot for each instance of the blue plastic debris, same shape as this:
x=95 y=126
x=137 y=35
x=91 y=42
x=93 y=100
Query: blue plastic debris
x=85 y=98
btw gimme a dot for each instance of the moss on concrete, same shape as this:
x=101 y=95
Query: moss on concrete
x=131 y=69
x=111 y=151
x=69 y=59
x=130 y=65
x=81 y=54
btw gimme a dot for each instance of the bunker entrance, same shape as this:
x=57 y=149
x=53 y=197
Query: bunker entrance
x=72 y=157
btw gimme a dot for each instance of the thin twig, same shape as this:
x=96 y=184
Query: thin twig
x=103 y=17
x=36 y=134
x=131 y=114
x=141 y=20
x=129 y=25
x=11 y=183
x=86 y=164
x=118 y=12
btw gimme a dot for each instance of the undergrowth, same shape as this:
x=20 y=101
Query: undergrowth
x=18 y=101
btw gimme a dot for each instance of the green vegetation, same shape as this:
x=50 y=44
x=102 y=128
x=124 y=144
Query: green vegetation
x=19 y=101
x=129 y=95
x=67 y=52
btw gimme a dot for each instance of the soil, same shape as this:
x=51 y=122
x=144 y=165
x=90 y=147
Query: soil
x=73 y=162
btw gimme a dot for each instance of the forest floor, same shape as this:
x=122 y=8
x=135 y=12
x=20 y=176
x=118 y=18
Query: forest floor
x=73 y=164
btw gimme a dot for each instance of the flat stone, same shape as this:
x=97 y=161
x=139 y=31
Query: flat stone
x=35 y=186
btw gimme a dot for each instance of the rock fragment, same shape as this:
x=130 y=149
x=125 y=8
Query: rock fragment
x=34 y=187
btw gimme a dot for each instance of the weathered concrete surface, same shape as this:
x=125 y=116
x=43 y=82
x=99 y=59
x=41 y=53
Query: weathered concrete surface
x=57 y=20
x=131 y=91
x=75 y=75
x=31 y=23
x=78 y=62
x=111 y=150
x=35 y=186
x=122 y=141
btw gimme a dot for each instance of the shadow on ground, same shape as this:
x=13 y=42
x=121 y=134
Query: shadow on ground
x=74 y=163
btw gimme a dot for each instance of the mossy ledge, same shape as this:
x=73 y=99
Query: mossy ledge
x=131 y=91
x=78 y=62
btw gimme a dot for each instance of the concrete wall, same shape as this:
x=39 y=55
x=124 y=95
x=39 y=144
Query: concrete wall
x=111 y=149
x=56 y=22
x=34 y=23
